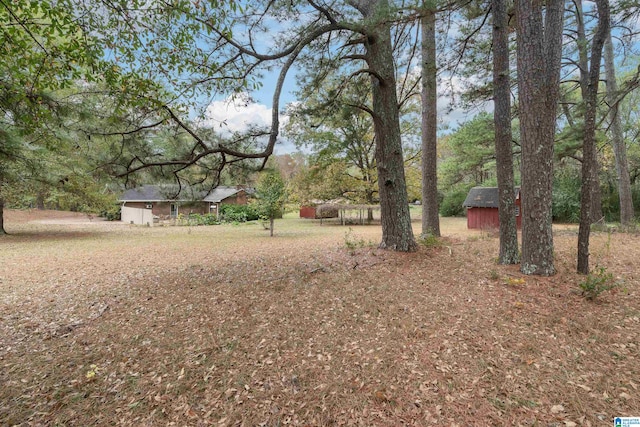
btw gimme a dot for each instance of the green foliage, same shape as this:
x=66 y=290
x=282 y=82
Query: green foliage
x=429 y=240
x=198 y=219
x=51 y=190
x=353 y=242
x=635 y=194
x=119 y=23
x=239 y=213
x=566 y=194
x=597 y=282
x=468 y=161
x=469 y=153
x=111 y=213
x=610 y=200
x=413 y=176
x=341 y=138
x=270 y=194
x=320 y=181
x=43 y=48
x=46 y=54
x=451 y=204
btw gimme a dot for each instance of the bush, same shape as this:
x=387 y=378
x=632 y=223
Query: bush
x=597 y=282
x=206 y=219
x=566 y=195
x=353 y=242
x=451 y=204
x=111 y=214
x=238 y=213
x=429 y=240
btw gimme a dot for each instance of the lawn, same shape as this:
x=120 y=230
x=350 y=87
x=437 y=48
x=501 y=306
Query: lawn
x=111 y=324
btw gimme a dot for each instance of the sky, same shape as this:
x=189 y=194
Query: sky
x=229 y=115
x=235 y=115
x=240 y=113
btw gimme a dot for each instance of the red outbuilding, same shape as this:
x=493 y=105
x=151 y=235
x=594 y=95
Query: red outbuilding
x=482 y=208
x=308 y=212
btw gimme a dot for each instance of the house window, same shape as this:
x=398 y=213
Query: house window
x=174 y=210
x=517 y=210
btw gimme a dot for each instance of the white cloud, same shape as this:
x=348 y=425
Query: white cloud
x=451 y=113
x=236 y=114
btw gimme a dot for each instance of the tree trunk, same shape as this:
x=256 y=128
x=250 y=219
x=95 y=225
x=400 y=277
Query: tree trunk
x=617 y=140
x=539 y=53
x=595 y=204
x=40 y=201
x=429 y=95
x=596 y=194
x=271 y=221
x=589 y=161
x=509 y=253
x=397 y=233
x=2 y=230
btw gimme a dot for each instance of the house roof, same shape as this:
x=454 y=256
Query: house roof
x=169 y=193
x=218 y=194
x=484 y=197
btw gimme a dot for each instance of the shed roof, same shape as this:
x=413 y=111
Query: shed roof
x=173 y=193
x=484 y=197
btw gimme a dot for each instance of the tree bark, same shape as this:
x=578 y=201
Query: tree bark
x=589 y=160
x=429 y=96
x=271 y=221
x=595 y=204
x=509 y=253
x=397 y=232
x=539 y=53
x=40 y=201
x=617 y=140
x=2 y=230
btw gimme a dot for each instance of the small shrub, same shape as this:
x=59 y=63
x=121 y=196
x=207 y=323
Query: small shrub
x=353 y=242
x=596 y=283
x=429 y=240
x=238 y=213
x=452 y=201
x=206 y=219
x=111 y=214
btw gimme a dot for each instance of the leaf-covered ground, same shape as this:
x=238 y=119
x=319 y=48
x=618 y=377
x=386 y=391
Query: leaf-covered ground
x=110 y=324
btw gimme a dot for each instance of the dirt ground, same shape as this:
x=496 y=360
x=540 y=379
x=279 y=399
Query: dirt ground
x=111 y=324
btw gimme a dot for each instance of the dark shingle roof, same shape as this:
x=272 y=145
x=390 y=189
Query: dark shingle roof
x=484 y=197
x=169 y=192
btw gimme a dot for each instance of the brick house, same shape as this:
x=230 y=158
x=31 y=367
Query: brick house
x=141 y=205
